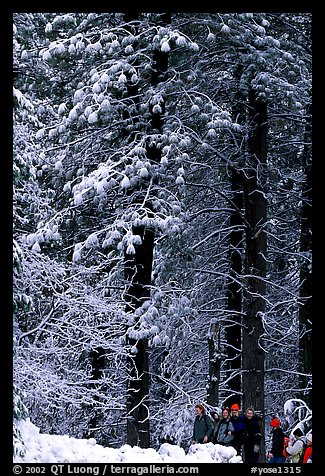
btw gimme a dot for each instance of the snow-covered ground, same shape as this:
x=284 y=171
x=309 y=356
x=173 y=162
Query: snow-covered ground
x=43 y=448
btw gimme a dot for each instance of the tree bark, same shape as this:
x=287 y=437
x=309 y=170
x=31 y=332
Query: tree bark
x=138 y=270
x=97 y=361
x=234 y=292
x=255 y=258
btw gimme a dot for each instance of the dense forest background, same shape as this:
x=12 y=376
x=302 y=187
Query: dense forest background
x=162 y=220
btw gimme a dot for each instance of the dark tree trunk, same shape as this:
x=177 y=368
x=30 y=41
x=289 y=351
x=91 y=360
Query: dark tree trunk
x=234 y=291
x=305 y=311
x=138 y=270
x=255 y=258
x=214 y=364
x=97 y=361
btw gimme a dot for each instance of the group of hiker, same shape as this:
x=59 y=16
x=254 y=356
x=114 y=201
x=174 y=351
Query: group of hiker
x=294 y=449
x=243 y=432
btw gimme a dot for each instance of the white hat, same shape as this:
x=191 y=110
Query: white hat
x=310 y=437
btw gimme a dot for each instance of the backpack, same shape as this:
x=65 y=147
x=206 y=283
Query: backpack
x=285 y=444
x=205 y=416
x=302 y=454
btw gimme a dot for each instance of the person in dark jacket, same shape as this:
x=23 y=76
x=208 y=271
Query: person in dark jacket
x=223 y=432
x=238 y=422
x=276 y=453
x=253 y=437
x=202 y=429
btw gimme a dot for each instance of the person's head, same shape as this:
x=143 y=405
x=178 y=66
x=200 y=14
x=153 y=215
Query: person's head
x=275 y=423
x=215 y=416
x=309 y=439
x=297 y=433
x=225 y=412
x=234 y=409
x=250 y=412
x=199 y=409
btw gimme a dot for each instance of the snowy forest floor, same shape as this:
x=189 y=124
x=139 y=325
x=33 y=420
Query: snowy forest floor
x=43 y=448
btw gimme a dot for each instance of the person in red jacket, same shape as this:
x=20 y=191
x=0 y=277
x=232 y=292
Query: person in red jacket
x=309 y=449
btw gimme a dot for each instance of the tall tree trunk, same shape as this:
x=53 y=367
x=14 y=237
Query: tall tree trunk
x=234 y=289
x=138 y=270
x=97 y=361
x=305 y=311
x=234 y=292
x=255 y=258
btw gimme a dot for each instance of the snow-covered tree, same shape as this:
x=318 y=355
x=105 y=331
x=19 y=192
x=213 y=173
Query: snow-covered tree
x=161 y=242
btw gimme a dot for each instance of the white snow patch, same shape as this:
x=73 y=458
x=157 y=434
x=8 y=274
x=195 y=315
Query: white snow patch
x=43 y=448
